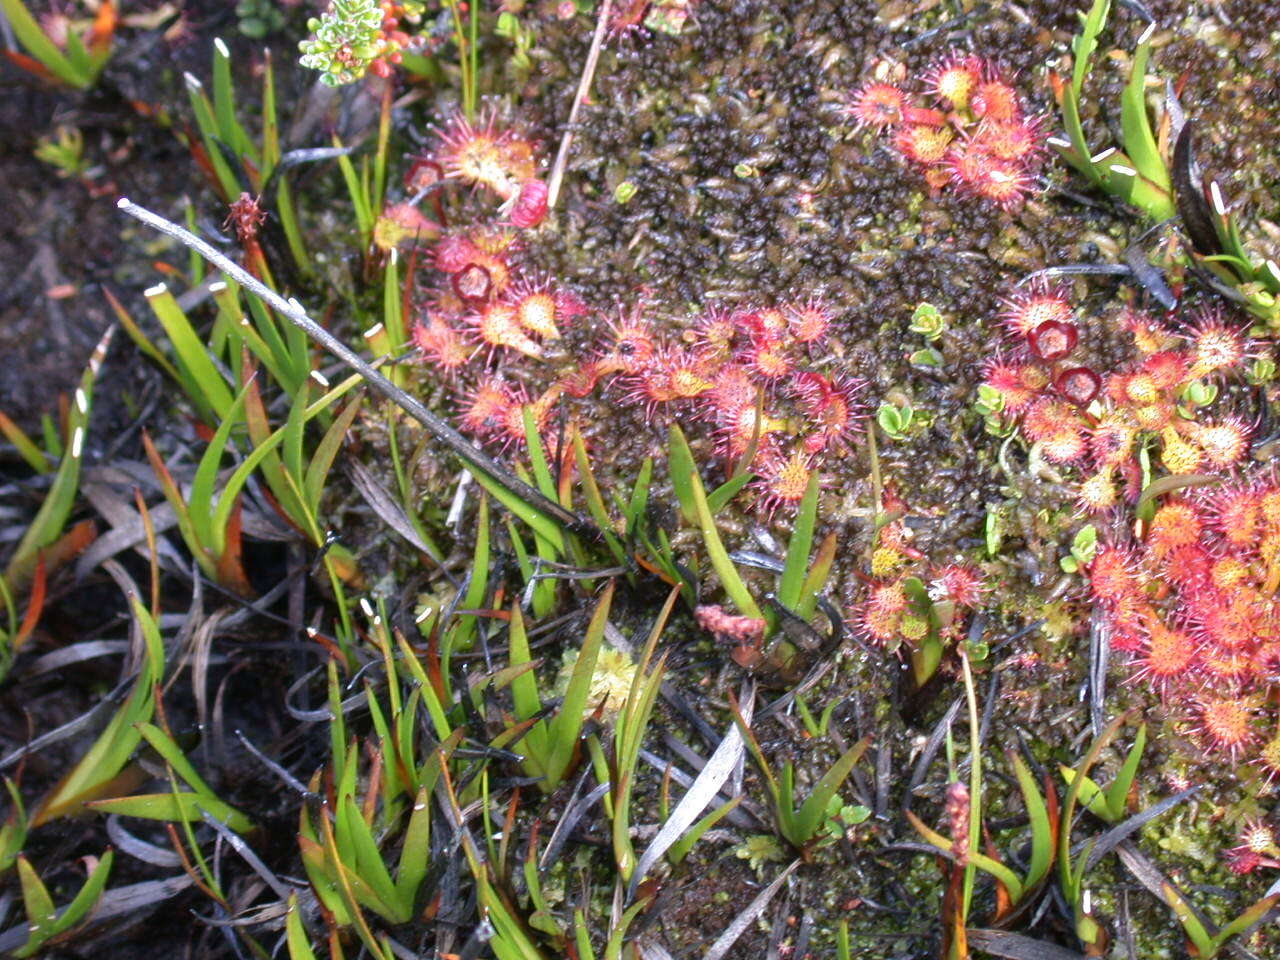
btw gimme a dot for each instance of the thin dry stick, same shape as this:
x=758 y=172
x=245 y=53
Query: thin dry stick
x=584 y=86
x=297 y=315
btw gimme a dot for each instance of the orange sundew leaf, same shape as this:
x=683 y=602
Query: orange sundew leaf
x=1004 y=902
x=231 y=571
x=70 y=545
x=329 y=644
x=33 y=67
x=201 y=158
x=35 y=605
x=654 y=570
x=167 y=269
x=104 y=29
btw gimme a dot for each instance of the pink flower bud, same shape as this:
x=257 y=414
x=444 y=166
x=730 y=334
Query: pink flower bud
x=530 y=207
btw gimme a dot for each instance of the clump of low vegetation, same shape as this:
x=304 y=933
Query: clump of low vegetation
x=641 y=479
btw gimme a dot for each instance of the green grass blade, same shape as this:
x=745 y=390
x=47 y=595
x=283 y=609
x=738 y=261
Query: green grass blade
x=639 y=499
x=595 y=502
x=37 y=902
x=683 y=472
x=812 y=813
x=567 y=724
x=1118 y=792
x=1247 y=919
x=325 y=453
x=200 y=378
x=181 y=806
x=208 y=126
x=719 y=557
x=111 y=751
x=680 y=849
x=524 y=690
x=415 y=851
x=34 y=40
x=26 y=447
x=1042 y=838
x=538 y=455
x=1196 y=933
x=1139 y=140
x=224 y=105
x=296 y=934
x=83 y=902
x=816 y=578
x=227 y=499
x=359 y=199
x=200 y=503
x=164 y=745
x=369 y=865
x=52 y=516
x=719 y=498
x=797 y=562
x=538 y=522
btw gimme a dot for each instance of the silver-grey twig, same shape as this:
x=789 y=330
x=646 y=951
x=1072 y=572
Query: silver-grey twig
x=584 y=85
x=296 y=314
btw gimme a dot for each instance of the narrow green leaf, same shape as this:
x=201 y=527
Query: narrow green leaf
x=719 y=557
x=1118 y=792
x=812 y=813
x=164 y=745
x=206 y=387
x=639 y=499
x=26 y=447
x=683 y=473
x=34 y=40
x=325 y=453
x=1196 y=933
x=538 y=455
x=224 y=107
x=415 y=853
x=540 y=523
x=797 y=562
x=524 y=690
x=566 y=727
x=816 y=578
x=1139 y=140
x=296 y=934
x=200 y=503
x=41 y=912
x=680 y=849
x=228 y=182
x=180 y=807
x=369 y=865
x=111 y=751
x=1042 y=838
x=595 y=503
x=83 y=902
x=719 y=498
x=1247 y=919
x=50 y=519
